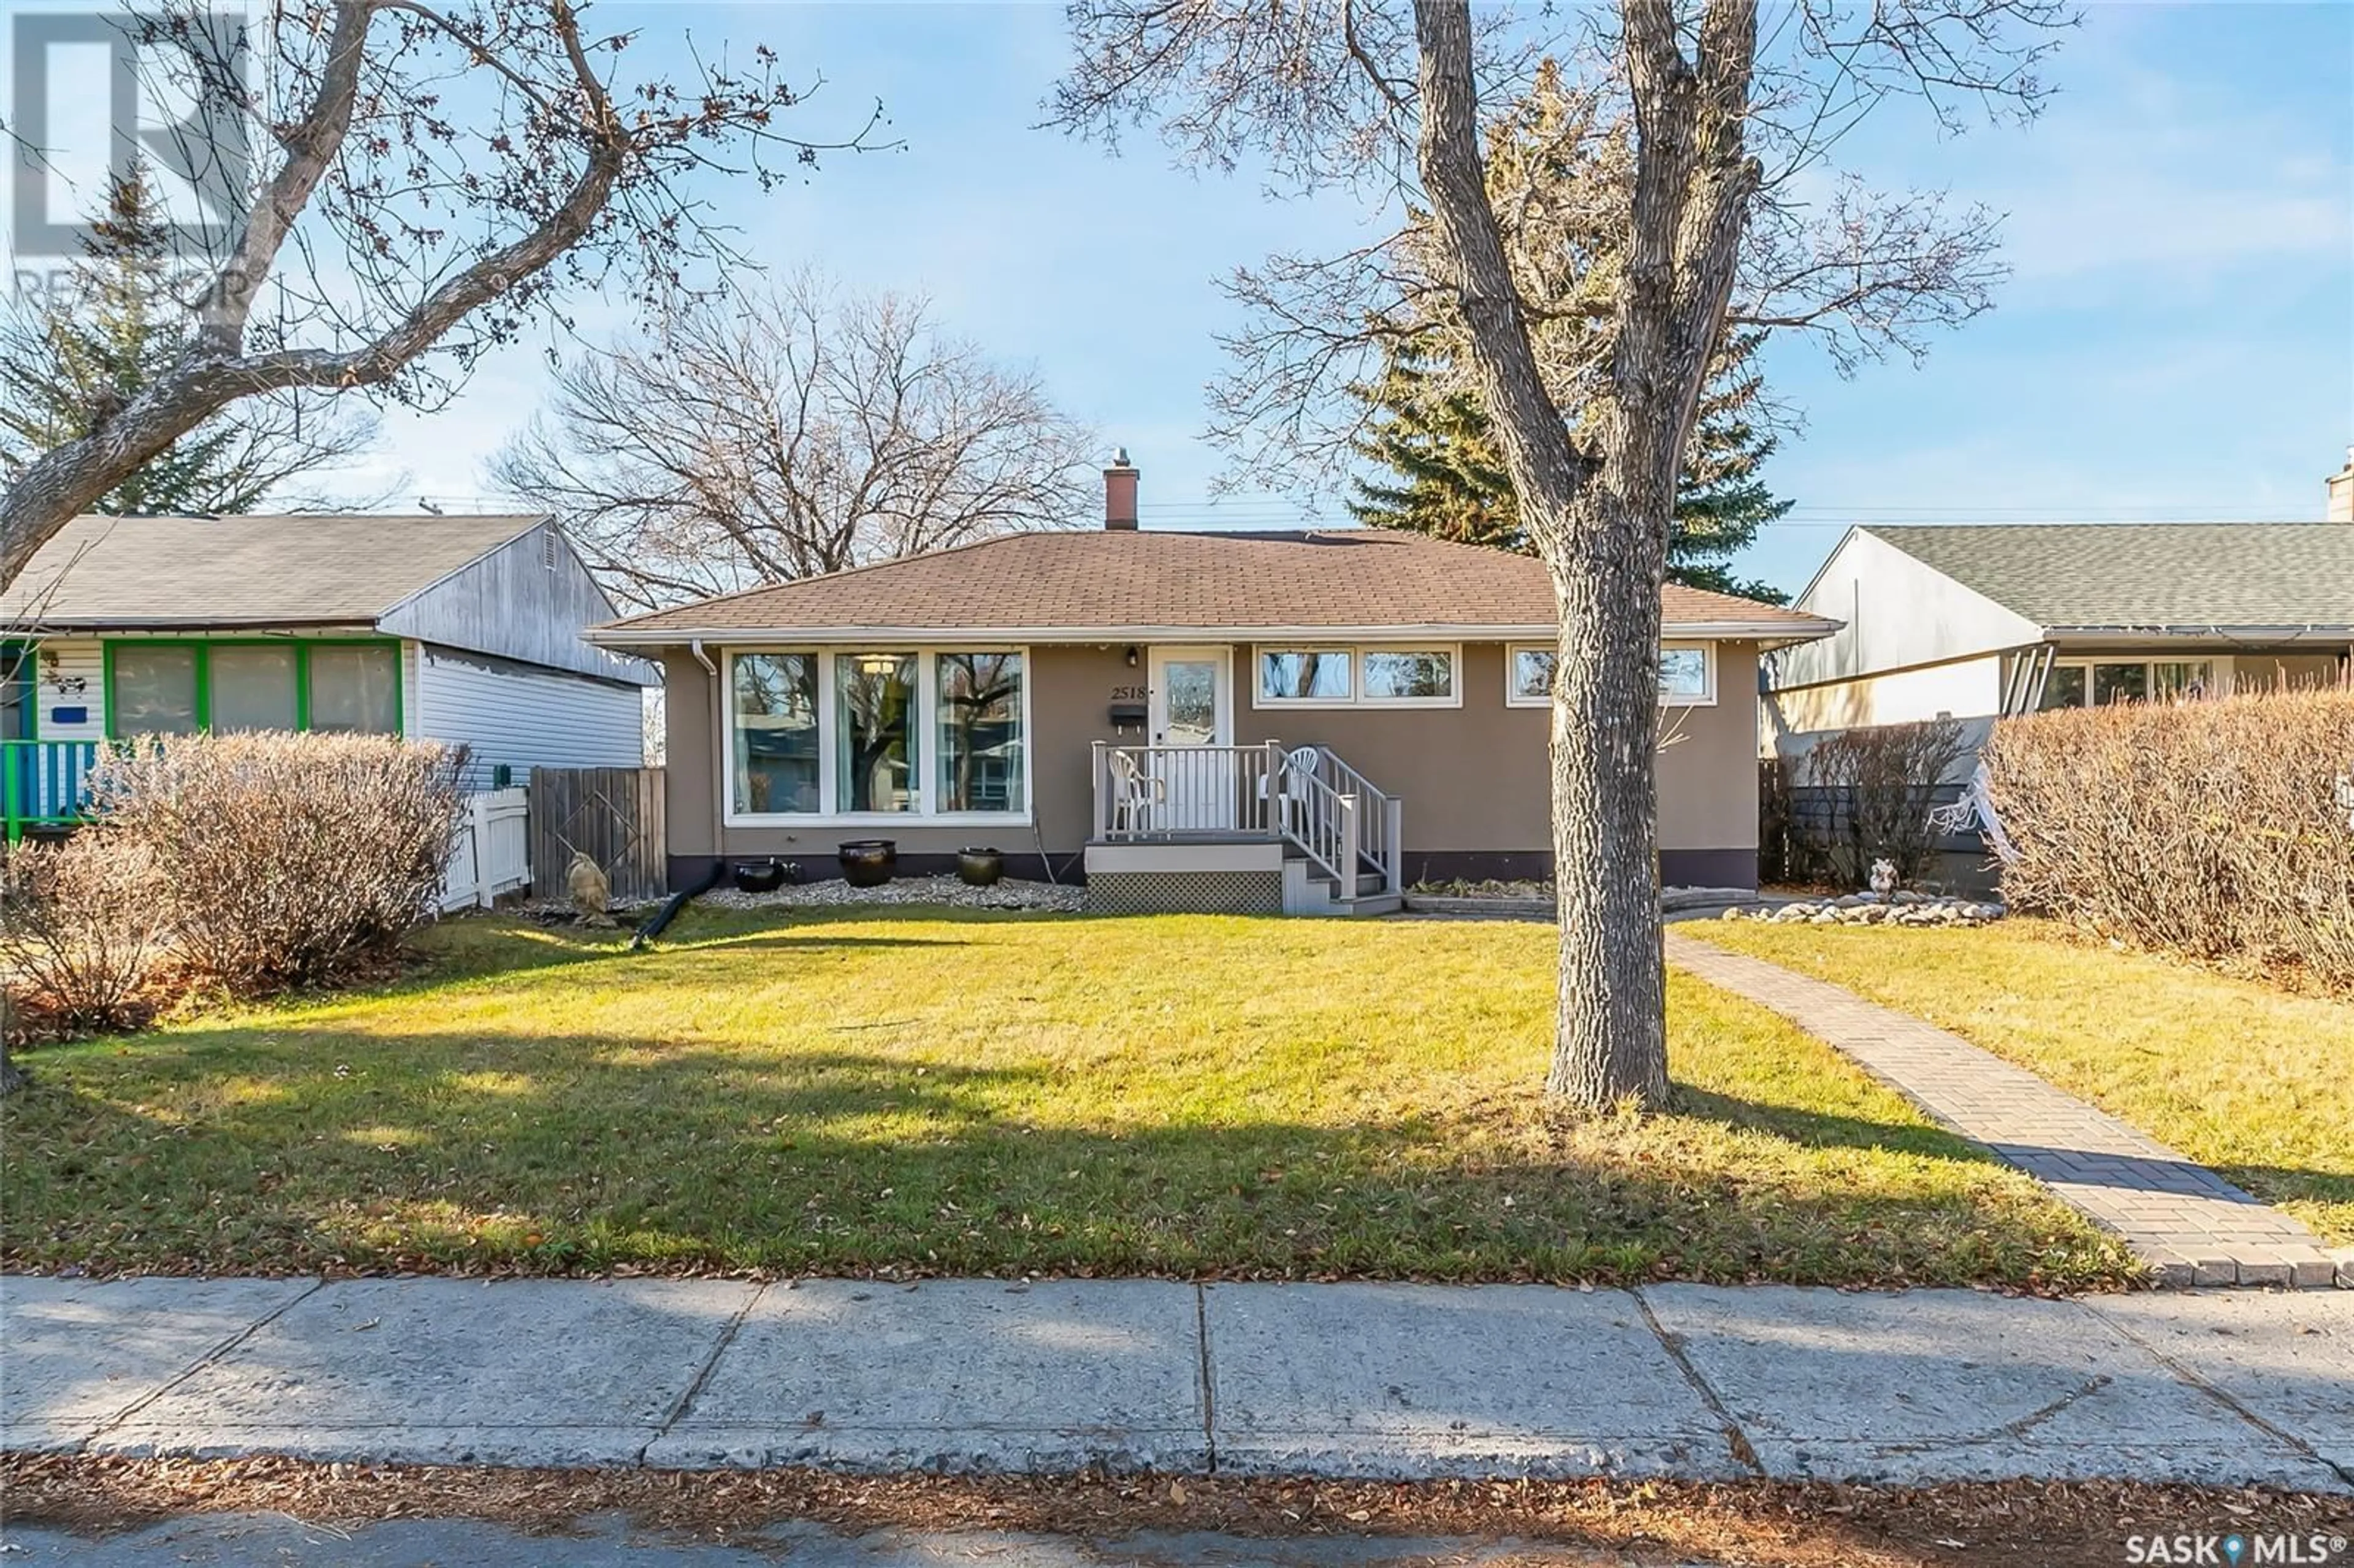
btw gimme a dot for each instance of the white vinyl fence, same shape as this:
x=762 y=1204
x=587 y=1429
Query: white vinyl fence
x=492 y=851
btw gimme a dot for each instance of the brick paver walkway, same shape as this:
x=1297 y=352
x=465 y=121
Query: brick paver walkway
x=2192 y=1226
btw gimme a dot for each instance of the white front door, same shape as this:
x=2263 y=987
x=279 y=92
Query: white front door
x=1193 y=707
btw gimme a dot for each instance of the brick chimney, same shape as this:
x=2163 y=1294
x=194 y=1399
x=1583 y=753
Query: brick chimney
x=2341 y=491
x=1119 y=492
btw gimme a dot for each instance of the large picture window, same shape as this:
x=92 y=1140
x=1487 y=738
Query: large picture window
x=226 y=686
x=776 y=748
x=1687 y=675
x=1356 y=677
x=816 y=733
x=875 y=731
x=979 y=704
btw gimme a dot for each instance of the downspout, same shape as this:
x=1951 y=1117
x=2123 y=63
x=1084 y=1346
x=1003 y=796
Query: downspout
x=718 y=754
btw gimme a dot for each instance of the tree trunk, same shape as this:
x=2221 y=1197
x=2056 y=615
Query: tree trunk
x=1602 y=527
x=1610 y=1041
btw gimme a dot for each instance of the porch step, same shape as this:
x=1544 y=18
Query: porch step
x=1368 y=882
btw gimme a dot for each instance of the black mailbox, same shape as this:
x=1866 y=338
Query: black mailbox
x=1127 y=716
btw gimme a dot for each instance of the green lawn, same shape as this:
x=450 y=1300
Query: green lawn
x=964 y=1093
x=2254 y=1082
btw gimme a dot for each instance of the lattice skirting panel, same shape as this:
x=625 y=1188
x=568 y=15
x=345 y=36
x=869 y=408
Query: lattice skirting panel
x=1185 y=892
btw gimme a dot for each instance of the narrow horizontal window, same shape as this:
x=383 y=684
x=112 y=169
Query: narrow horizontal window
x=1305 y=674
x=1687 y=675
x=1402 y=675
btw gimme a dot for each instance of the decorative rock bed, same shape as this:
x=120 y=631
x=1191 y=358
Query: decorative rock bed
x=1009 y=894
x=1874 y=909
x=834 y=893
x=1534 y=900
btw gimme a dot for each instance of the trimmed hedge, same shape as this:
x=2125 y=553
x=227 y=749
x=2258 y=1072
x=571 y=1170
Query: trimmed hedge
x=2216 y=830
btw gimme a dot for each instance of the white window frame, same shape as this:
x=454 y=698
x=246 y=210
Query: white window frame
x=1707 y=699
x=2218 y=669
x=829 y=813
x=1357 y=697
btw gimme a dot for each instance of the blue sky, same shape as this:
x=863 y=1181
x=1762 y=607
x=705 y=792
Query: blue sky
x=2178 y=340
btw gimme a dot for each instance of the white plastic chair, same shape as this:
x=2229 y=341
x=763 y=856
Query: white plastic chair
x=1134 y=793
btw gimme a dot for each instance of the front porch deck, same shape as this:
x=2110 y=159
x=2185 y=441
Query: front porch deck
x=44 y=783
x=1241 y=830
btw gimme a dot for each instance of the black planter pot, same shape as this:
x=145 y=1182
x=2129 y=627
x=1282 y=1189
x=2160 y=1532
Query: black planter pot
x=979 y=867
x=867 y=862
x=764 y=876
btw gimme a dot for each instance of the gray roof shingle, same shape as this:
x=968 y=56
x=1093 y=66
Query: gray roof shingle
x=297 y=569
x=2148 y=575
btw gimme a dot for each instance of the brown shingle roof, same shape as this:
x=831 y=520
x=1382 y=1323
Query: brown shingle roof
x=1344 y=580
x=298 y=569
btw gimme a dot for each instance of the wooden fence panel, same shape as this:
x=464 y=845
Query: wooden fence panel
x=613 y=815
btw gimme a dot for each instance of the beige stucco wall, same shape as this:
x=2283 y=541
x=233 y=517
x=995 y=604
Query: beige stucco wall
x=1472 y=778
x=2270 y=671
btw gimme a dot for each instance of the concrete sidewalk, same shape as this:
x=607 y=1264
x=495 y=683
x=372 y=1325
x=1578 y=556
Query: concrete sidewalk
x=1343 y=1380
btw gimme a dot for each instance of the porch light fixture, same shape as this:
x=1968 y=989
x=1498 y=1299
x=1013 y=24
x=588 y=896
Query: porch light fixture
x=1132 y=655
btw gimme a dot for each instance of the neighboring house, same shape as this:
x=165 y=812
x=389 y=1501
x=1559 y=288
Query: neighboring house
x=1247 y=721
x=1975 y=622
x=464 y=629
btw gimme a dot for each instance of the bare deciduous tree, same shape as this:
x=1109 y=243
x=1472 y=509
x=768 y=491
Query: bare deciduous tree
x=423 y=180
x=788 y=434
x=1727 y=195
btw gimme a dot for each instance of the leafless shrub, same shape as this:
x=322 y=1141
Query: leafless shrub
x=1786 y=852
x=290 y=858
x=1884 y=779
x=2215 y=830
x=81 y=925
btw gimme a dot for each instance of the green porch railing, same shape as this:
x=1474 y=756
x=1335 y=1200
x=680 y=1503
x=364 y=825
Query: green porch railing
x=43 y=782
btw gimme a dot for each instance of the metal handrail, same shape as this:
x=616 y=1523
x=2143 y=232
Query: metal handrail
x=1336 y=816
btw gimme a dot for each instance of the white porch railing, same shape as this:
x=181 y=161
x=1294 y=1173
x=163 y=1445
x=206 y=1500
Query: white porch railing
x=1305 y=796
x=492 y=854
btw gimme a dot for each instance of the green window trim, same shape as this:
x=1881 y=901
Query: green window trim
x=202 y=646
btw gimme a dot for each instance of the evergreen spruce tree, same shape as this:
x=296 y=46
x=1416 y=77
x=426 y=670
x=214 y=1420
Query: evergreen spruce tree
x=1553 y=159
x=69 y=361
x=1441 y=474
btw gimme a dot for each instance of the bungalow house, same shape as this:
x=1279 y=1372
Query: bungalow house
x=1977 y=622
x=1301 y=721
x=464 y=629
